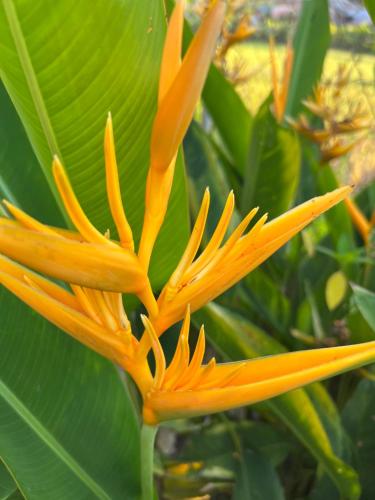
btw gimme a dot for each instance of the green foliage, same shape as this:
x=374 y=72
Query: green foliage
x=236 y=338
x=256 y=479
x=358 y=419
x=365 y=301
x=274 y=160
x=68 y=427
x=310 y=45
x=7 y=485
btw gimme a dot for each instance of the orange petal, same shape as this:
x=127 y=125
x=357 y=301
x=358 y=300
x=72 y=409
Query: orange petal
x=57 y=292
x=359 y=220
x=177 y=108
x=91 y=265
x=256 y=380
x=248 y=253
x=113 y=188
x=72 y=206
x=171 y=60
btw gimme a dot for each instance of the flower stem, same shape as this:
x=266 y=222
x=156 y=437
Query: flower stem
x=148 y=434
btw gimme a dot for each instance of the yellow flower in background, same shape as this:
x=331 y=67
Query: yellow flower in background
x=99 y=270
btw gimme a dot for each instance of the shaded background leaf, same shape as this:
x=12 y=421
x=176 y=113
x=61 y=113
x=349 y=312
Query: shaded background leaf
x=310 y=44
x=272 y=173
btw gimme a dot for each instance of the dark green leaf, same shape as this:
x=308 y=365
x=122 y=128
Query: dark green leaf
x=230 y=116
x=204 y=170
x=272 y=173
x=365 y=301
x=358 y=418
x=68 y=428
x=201 y=444
x=256 y=479
x=7 y=485
x=21 y=180
x=310 y=43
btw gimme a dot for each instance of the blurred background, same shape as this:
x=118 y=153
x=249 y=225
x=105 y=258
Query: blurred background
x=349 y=63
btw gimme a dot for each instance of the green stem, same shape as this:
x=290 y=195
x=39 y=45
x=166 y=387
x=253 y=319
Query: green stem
x=148 y=434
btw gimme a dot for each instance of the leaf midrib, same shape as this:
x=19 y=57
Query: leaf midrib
x=34 y=88
x=37 y=427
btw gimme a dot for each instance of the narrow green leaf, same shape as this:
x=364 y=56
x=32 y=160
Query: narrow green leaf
x=68 y=427
x=272 y=173
x=365 y=301
x=236 y=338
x=310 y=43
x=65 y=65
x=232 y=119
x=21 y=180
x=204 y=170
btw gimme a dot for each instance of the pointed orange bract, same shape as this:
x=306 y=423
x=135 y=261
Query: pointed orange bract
x=188 y=388
x=280 y=95
x=179 y=89
x=363 y=225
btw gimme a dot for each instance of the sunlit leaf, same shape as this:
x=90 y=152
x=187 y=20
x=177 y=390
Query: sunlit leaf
x=336 y=288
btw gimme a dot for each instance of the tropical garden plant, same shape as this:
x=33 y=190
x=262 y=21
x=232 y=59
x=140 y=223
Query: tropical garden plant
x=103 y=251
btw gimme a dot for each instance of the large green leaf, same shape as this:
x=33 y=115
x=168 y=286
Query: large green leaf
x=236 y=338
x=310 y=43
x=21 y=179
x=7 y=485
x=65 y=65
x=272 y=172
x=67 y=428
x=45 y=402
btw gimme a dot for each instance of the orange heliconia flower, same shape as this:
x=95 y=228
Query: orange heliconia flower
x=99 y=270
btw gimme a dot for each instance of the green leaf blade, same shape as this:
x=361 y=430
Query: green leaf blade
x=68 y=427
